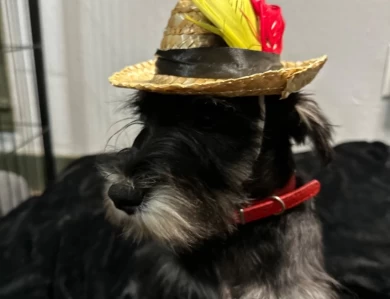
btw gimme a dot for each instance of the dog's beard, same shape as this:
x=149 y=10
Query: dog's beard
x=181 y=214
x=169 y=217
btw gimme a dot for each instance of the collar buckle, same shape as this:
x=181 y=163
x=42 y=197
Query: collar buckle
x=281 y=202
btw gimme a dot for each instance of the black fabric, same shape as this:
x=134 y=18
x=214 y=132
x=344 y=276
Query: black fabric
x=60 y=246
x=215 y=63
x=354 y=206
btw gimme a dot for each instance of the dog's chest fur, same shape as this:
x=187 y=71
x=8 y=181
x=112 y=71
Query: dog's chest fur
x=301 y=291
x=287 y=264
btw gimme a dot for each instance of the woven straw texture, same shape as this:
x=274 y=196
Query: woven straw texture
x=183 y=34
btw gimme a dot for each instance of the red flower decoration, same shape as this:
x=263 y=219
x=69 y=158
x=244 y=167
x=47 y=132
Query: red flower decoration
x=271 y=25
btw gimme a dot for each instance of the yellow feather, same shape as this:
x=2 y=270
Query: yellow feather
x=234 y=20
x=205 y=26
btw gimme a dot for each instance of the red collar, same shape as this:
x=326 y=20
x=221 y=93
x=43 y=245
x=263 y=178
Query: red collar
x=284 y=199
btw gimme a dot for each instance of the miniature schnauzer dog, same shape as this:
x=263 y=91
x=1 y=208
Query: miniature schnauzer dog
x=197 y=160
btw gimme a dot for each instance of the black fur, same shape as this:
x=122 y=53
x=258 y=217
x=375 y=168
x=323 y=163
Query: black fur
x=196 y=161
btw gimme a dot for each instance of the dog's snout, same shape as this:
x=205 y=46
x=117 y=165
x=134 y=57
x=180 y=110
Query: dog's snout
x=119 y=192
x=124 y=196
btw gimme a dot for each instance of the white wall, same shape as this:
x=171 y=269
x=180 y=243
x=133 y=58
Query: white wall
x=87 y=40
x=355 y=34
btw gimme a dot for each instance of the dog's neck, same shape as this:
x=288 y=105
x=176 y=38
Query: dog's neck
x=275 y=256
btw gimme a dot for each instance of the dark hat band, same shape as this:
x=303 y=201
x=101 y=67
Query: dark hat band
x=215 y=63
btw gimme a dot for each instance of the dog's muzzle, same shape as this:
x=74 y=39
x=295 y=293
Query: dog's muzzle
x=125 y=197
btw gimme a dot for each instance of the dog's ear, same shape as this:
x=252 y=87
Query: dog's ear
x=141 y=138
x=307 y=121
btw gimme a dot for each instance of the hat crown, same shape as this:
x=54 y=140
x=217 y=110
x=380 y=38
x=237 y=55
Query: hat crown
x=181 y=33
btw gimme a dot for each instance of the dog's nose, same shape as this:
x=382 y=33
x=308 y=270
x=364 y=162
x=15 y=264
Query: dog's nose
x=124 y=197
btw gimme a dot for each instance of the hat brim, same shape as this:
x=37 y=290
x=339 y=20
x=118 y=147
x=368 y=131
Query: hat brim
x=292 y=77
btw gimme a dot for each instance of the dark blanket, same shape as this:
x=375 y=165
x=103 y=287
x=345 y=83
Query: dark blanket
x=354 y=206
x=60 y=246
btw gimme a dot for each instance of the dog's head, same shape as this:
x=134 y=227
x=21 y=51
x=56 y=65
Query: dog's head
x=198 y=159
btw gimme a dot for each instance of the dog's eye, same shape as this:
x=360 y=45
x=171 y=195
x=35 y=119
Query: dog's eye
x=208 y=122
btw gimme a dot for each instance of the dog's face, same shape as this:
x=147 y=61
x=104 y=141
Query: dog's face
x=182 y=180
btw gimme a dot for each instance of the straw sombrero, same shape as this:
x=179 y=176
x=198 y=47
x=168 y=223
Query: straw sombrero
x=198 y=57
